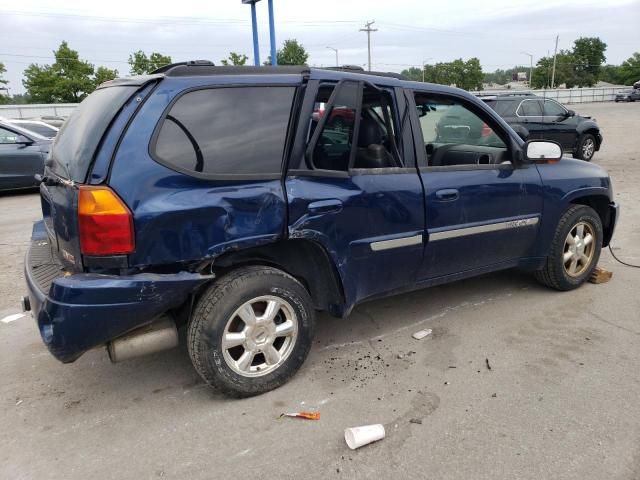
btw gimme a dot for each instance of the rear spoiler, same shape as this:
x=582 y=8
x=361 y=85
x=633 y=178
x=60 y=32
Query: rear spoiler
x=135 y=81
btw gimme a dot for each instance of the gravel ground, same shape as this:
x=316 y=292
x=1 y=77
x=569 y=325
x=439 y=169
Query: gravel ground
x=559 y=402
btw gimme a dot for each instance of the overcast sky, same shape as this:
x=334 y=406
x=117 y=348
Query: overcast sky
x=409 y=31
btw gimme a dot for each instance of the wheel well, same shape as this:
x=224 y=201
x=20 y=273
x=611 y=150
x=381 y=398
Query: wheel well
x=593 y=131
x=305 y=260
x=600 y=203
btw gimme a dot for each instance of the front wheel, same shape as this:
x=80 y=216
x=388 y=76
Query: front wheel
x=251 y=331
x=575 y=249
x=586 y=147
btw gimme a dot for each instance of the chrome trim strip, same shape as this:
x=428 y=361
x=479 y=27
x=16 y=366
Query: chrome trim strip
x=396 y=243
x=491 y=227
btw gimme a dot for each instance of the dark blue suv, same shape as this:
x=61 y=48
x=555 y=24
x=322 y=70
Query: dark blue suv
x=238 y=201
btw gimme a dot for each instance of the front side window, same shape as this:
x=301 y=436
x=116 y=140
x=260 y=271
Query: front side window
x=455 y=134
x=530 y=108
x=7 y=136
x=376 y=145
x=553 y=109
x=238 y=130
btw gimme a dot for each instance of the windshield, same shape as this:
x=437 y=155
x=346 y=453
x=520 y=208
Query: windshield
x=77 y=140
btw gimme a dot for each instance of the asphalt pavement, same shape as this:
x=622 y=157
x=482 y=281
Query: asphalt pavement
x=560 y=400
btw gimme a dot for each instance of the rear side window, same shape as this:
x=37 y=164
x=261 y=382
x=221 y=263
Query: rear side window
x=530 y=108
x=234 y=130
x=77 y=140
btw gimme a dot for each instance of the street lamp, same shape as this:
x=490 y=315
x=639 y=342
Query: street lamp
x=335 y=50
x=423 y=64
x=530 y=65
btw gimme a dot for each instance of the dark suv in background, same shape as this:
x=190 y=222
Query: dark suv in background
x=534 y=117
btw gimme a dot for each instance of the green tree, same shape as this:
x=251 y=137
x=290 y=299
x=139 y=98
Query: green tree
x=3 y=85
x=565 y=71
x=413 y=73
x=630 y=70
x=291 y=53
x=611 y=74
x=235 y=59
x=466 y=75
x=104 y=74
x=501 y=76
x=142 y=64
x=588 y=56
x=68 y=80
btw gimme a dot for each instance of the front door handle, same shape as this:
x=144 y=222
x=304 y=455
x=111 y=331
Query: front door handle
x=325 y=206
x=447 y=195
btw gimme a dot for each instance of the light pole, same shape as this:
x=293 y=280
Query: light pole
x=254 y=28
x=530 y=66
x=424 y=62
x=335 y=50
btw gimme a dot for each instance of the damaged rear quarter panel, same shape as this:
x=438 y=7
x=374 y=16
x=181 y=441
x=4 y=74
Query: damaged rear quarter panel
x=181 y=218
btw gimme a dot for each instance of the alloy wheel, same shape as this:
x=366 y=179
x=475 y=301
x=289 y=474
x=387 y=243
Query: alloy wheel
x=579 y=248
x=259 y=336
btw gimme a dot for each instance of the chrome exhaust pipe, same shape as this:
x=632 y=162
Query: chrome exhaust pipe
x=160 y=335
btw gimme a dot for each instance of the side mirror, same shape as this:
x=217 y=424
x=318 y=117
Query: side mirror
x=571 y=113
x=22 y=140
x=543 y=151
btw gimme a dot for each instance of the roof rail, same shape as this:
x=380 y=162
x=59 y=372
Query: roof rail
x=516 y=94
x=359 y=69
x=168 y=67
x=190 y=69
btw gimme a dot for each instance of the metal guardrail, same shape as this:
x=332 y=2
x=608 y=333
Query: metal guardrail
x=565 y=95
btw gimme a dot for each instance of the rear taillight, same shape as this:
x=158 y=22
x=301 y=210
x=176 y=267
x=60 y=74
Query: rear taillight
x=105 y=222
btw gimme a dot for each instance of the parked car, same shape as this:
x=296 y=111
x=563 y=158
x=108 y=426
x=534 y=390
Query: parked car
x=534 y=117
x=628 y=95
x=53 y=120
x=217 y=198
x=22 y=156
x=43 y=129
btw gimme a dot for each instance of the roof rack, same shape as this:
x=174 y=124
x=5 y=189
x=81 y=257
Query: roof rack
x=359 y=69
x=166 y=68
x=188 y=69
x=516 y=94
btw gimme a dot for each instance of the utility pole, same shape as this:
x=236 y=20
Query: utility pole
x=530 y=66
x=367 y=28
x=335 y=50
x=424 y=63
x=553 y=73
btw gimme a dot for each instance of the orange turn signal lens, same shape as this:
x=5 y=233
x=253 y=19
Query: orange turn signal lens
x=104 y=221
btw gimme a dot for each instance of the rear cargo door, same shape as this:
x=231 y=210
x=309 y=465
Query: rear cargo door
x=68 y=165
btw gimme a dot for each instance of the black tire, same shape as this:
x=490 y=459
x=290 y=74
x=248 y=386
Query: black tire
x=554 y=273
x=215 y=309
x=582 y=142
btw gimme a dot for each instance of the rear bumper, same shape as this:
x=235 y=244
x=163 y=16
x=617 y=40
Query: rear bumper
x=77 y=312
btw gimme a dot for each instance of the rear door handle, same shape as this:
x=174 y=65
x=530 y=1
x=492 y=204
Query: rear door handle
x=447 y=195
x=325 y=206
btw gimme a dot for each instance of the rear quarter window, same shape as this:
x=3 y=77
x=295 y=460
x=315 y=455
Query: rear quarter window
x=226 y=130
x=76 y=143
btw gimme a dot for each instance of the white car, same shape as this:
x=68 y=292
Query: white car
x=41 y=128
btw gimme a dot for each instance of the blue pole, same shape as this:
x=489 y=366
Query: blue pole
x=272 y=35
x=256 y=46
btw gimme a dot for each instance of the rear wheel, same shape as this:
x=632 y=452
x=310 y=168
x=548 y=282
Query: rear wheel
x=574 y=251
x=586 y=147
x=251 y=331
